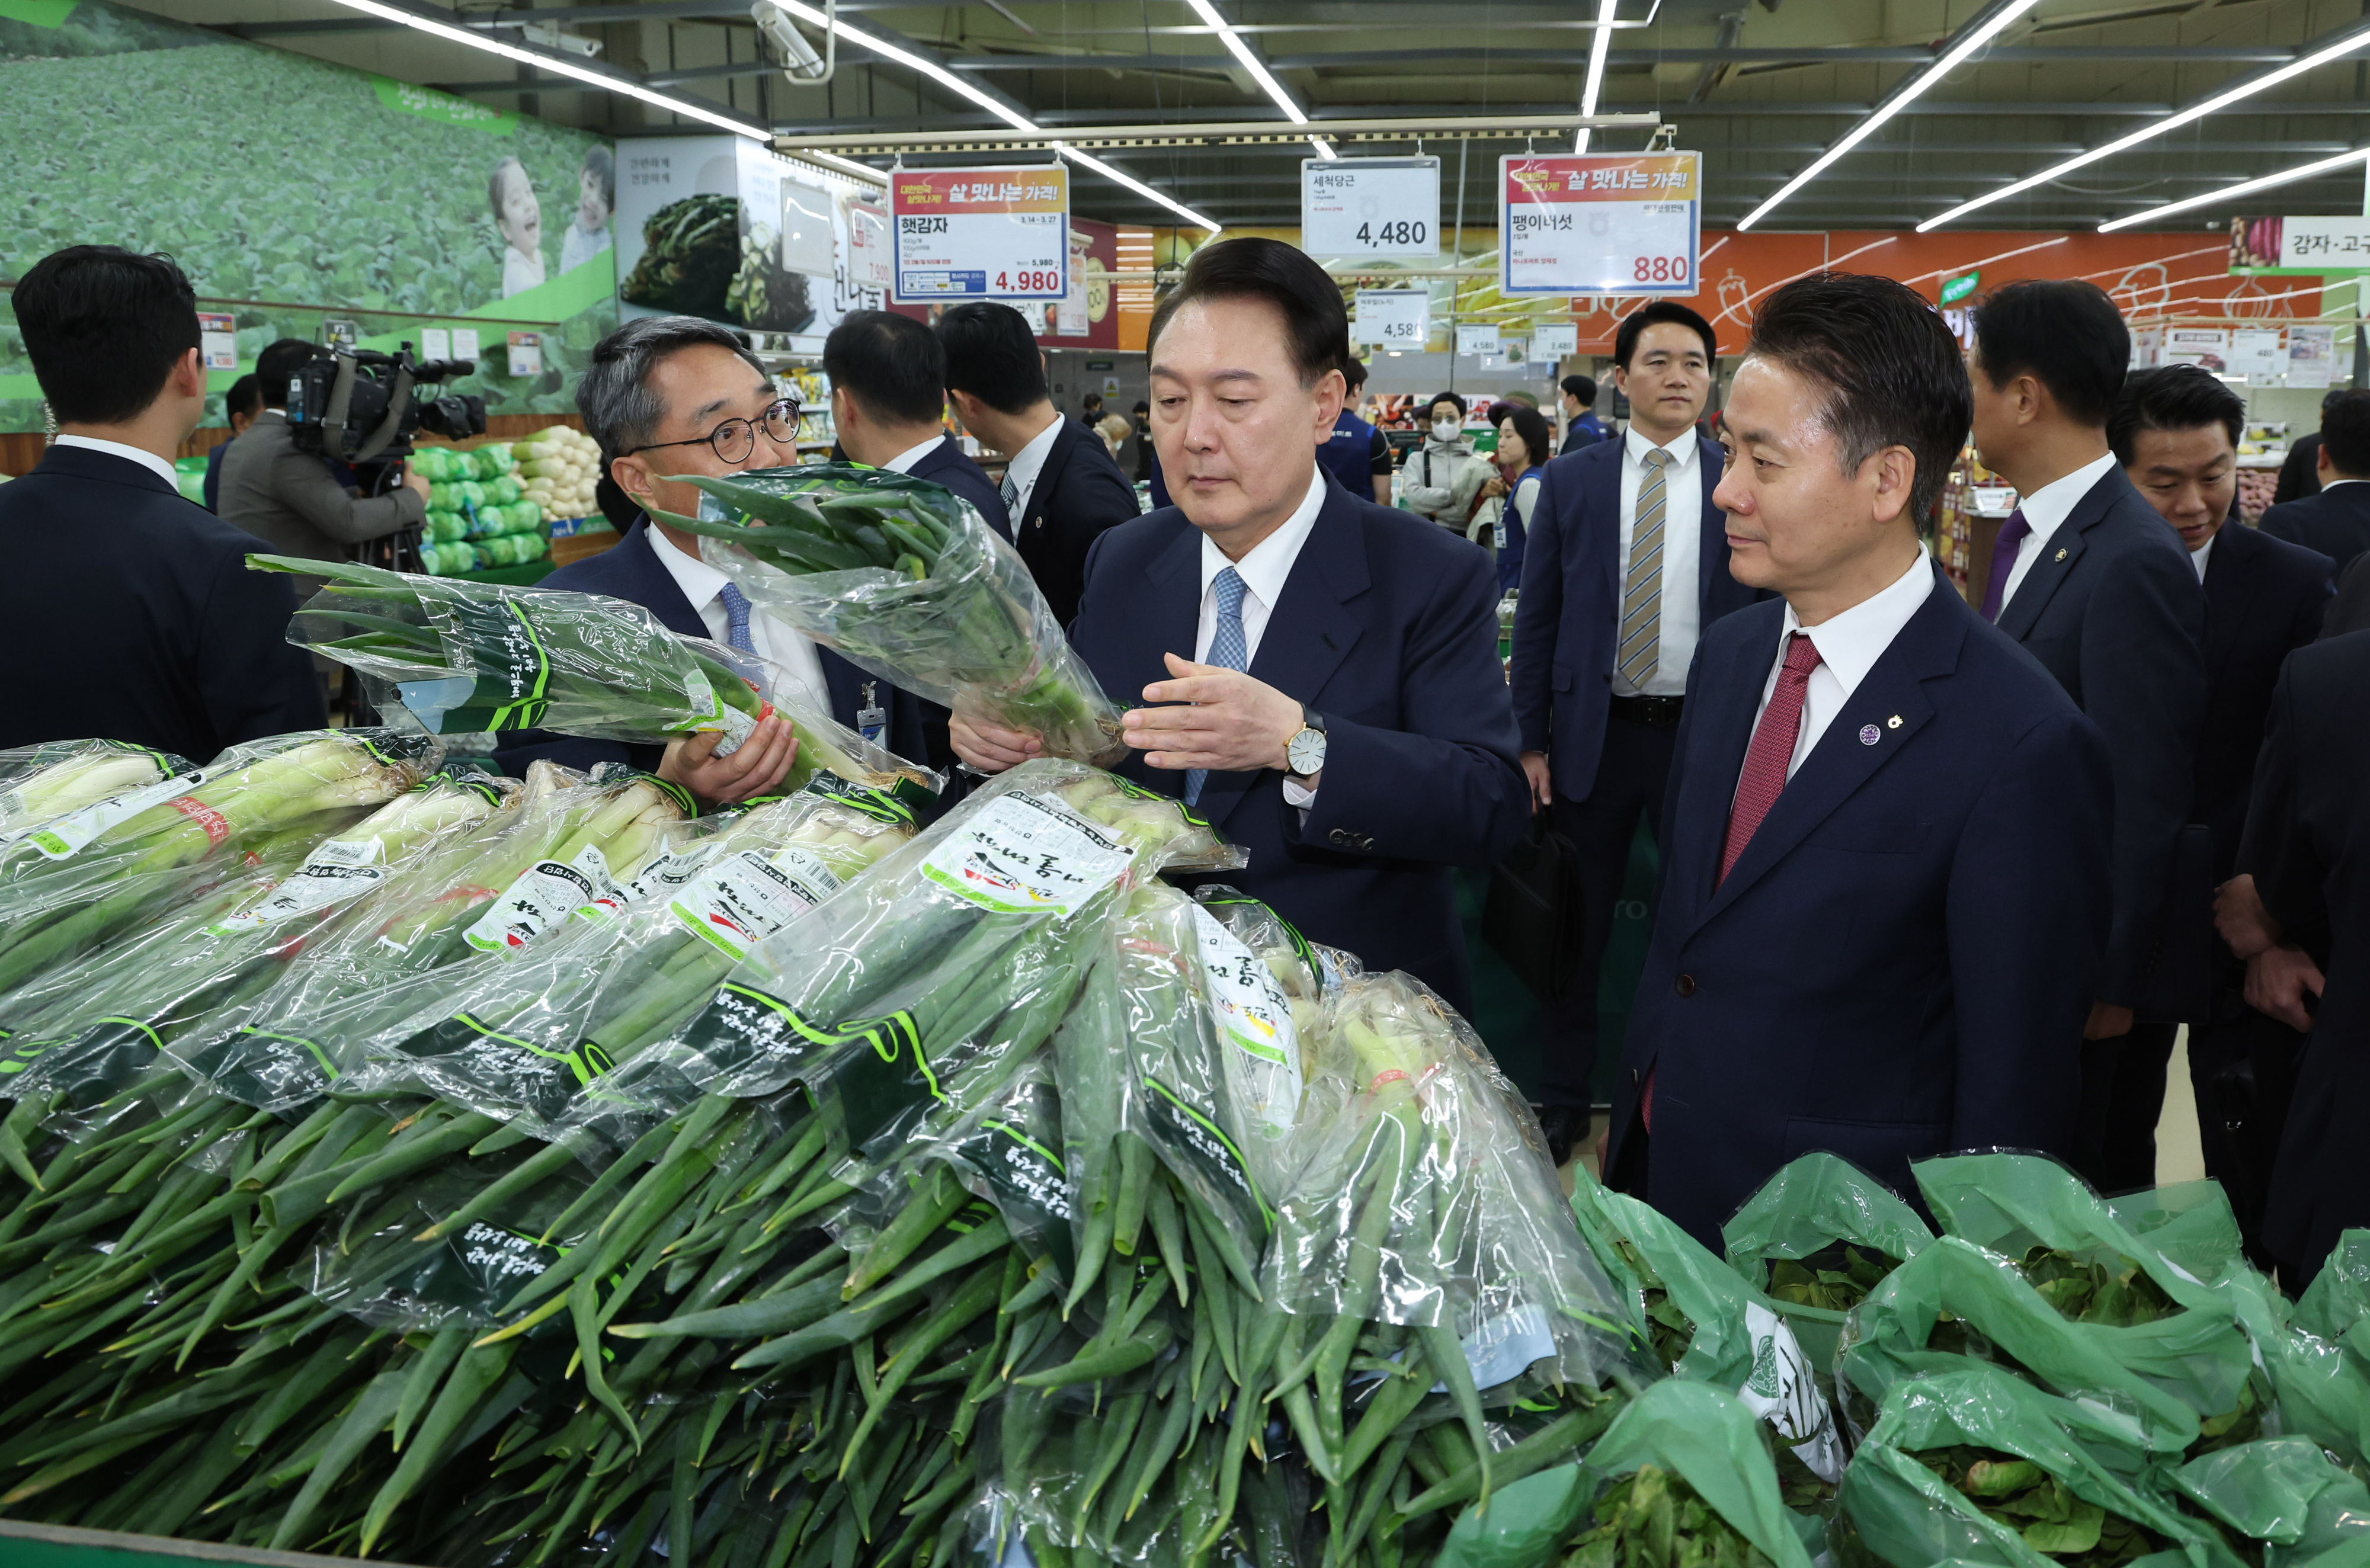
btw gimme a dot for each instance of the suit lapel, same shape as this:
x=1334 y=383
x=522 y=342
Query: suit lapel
x=2231 y=583
x=2058 y=557
x=1603 y=497
x=1169 y=622
x=1049 y=478
x=657 y=590
x=1891 y=705
x=1713 y=549
x=1310 y=629
x=1720 y=704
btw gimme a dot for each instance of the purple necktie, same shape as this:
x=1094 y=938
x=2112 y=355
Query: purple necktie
x=2011 y=534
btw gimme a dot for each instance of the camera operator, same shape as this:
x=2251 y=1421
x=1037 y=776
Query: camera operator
x=293 y=498
x=127 y=612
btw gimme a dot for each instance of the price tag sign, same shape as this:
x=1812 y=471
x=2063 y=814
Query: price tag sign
x=1550 y=344
x=868 y=247
x=988 y=233
x=1395 y=319
x=218 y=341
x=1477 y=340
x=1370 y=206
x=1600 y=223
x=2261 y=354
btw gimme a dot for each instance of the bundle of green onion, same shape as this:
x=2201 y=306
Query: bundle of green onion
x=38 y=782
x=904 y=579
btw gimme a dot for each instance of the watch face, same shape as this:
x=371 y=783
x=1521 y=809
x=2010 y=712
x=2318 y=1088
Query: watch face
x=1305 y=752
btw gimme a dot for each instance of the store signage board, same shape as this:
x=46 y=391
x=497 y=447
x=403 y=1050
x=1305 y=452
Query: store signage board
x=2260 y=354
x=1959 y=288
x=868 y=247
x=2299 y=245
x=807 y=229
x=1554 y=343
x=979 y=234
x=435 y=343
x=2208 y=347
x=1600 y=223
x=2312 y=354
x=218 y=341
x=465 y=343
x=345 y=335
x=1395 y=319
x=1477 y=340
x=1370 y=206
x=526 y=353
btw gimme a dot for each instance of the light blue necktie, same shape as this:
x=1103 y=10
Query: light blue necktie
x=1227 y=651
x=736 y=617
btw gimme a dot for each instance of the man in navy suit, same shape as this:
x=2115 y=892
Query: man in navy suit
x=1341 y=717
x=2175 y=431
x=674 y=394
x=1885 y=884
x=1061 y=485
x=888 y=400
x=2088 y=578
x=1626 y=564
x=2336 y=521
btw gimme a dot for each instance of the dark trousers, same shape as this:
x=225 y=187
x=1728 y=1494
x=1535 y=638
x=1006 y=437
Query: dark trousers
x=1632 y=775
x=2123 y=1099
x=2243 y=1065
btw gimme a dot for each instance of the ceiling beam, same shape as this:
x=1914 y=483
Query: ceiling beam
x=2181 y=54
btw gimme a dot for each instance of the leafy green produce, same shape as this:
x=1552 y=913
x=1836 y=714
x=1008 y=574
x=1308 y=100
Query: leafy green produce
x=691 y=253
x=1838 y=1278
x=1651 y=1519
x=2028 y=1499
x=2088 y=1291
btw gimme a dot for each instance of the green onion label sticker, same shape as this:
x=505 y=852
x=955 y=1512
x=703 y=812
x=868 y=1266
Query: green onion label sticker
x=1022 y=853
x=1254 y=1017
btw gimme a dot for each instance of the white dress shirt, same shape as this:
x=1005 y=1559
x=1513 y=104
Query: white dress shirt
x=145 y=459
x=1849 y=645
x=702 y=584
x=1022 y=468
x=2197 y=557
x=903 y=462
x=2045 y=511
x=1682 y=552
x=1264 y=568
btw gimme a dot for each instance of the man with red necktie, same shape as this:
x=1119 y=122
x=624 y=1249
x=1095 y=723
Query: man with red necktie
x=1885 y=882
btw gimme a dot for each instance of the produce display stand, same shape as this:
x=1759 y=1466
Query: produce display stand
x=54 y=1546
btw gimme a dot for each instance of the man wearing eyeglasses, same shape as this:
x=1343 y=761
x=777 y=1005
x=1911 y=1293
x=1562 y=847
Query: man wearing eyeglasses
x=668 y=397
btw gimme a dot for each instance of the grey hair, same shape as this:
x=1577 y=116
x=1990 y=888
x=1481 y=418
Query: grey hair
x=615 y=396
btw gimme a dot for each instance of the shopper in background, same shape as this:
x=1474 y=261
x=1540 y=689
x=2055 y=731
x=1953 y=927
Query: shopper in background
x=1090 y=409
x=2299 y=474
x=1142 y=440
x=1523 y=442
x=1113 y=430
x=2336 y=521
x=1580 y=426
x=1885 y=882
x=888 y=399
x=2305 y=933
x=126 y=611
x=241 y=404
x=1351 y=450
x=1625 y=563
x=1062 y=485
x=1443 y=478
x=2088 y=578
x=293 y=498
x=674 y=394
x=2175 y=431
x=1342 y=716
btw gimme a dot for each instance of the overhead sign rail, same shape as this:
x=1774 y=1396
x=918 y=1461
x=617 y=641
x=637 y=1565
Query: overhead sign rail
x=1543 y=126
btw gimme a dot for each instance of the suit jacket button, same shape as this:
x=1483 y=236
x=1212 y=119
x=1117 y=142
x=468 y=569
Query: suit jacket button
x=1366 y=844
x=1685 y=985
x=1340 y=838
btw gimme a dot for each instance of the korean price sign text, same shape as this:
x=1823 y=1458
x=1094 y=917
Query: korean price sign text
x=1600 y=223
x=1395 y=319
x=1370 y=206
x=987 y=234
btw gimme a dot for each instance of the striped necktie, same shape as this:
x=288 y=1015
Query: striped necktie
x=1229 y=650
x=1640 y=647
x=1010 y=492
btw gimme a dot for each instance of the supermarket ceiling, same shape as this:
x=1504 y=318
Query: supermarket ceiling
x=1763 y=87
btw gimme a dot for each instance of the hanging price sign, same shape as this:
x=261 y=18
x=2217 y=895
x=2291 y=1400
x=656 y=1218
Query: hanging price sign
x=992 y=234
x=1395 y=319
x=1370 y=206
x=1477 y=340
x=1553 y=342
x=1600 y=223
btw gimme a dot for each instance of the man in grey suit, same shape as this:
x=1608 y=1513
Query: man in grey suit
x=292 y=499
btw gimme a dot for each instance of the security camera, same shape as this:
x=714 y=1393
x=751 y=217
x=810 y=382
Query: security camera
x=551 y=37
x=801 y=64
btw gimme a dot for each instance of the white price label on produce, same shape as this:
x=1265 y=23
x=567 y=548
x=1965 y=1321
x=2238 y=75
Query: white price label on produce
x=997 y=233
x=1022 y=853
x=1370 y=206
x=1600 y=223
x=1397 y=318
x=1477 y=339
x=1550 y=344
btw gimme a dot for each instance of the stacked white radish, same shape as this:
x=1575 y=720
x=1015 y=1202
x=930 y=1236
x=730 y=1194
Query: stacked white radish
x=558 y=468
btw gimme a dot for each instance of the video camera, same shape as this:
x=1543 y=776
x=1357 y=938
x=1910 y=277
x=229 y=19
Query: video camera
x=358 y=406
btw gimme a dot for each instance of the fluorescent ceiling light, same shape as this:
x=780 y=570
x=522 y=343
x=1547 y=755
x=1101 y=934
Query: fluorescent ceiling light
x=558 y=66
x=1249 y=61
x=1974 y=38
x=1323 y=148
x=1598 y=49
x=988 y=101
x=2245 y=187
x=2348 y=44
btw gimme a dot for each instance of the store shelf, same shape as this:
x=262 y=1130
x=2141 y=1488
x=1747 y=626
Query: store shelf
x=51 y=1546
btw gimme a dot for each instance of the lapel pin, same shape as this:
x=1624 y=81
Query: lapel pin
x=2061 y=555
x=1893 y=723
x=1868 y=734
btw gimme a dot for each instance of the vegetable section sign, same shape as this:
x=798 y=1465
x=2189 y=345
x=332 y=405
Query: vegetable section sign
x=992 y=234
x=1600 y=223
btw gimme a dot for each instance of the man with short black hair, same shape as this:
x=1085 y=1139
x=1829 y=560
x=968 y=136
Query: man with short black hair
x=2336 y=521
x=669 y=396
x=888 y=400
x=1884 y=883
x=1062 y=486
x=2088 y=578
x=241 y=404
x=173 y=642
x=294 y=498
x=1580 y=426
x=1358 y=454
x=2176 y=432
x=1342 y=716
x=1625 y=563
